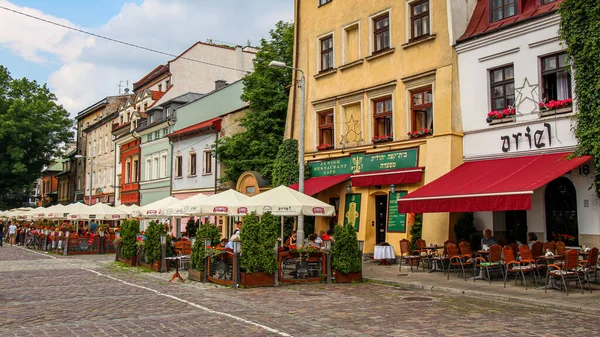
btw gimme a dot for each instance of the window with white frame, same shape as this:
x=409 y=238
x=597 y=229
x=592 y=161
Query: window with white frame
x=106 y=178
x=94 y=149
x=178 y=166
x=155 y=167
x=127 y=171
x=100 y=146
x=163 y=165
x=207 y=162
x=556 y=78
x=150 y=136
x=419 y=19
x=106 y=143
x=135 y=174
x=148 y=168
x=326 y=52
x=381 y=32
x=192 y=164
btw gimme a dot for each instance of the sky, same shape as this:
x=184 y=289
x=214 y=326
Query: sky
x=81 y=69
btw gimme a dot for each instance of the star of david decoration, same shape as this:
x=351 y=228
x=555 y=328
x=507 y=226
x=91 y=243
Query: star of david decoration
x=351 y=126
x=527 y=92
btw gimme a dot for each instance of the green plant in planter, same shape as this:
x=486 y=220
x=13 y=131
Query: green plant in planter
x=129 y=232
x=152 y=246
x=210 y=231
x=191 y=228
x=416 y=231
x=345 y=253
x=258 y=243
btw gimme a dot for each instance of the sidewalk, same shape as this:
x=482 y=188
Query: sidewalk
x=437 y=281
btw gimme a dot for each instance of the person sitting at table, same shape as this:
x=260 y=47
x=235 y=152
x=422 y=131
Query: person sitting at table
x=487 y=240
x=234 y=237
x=291 y=240
x=532 y=238
x=311 y=241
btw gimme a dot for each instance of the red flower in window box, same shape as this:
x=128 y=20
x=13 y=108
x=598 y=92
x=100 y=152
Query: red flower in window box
x=556 y=104
x=420 y=133
x=495 y=114
x=383 y=138
x=324 y=147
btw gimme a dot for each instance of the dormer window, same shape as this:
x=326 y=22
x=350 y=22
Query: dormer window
x=502 y=9
x=545 y=2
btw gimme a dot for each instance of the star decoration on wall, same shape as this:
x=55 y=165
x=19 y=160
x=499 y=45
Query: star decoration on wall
x=527 y=92
x=351 y=126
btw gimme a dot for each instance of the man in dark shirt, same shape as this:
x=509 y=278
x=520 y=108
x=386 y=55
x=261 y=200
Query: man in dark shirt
x=487 y=240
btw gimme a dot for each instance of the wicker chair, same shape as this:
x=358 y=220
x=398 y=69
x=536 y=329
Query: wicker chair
x=514 y=267
x=566 y=272
x=406 y=255
x=494 y=260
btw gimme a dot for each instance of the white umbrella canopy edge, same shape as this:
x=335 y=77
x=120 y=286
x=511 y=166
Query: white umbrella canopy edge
x=155 y=209
x=107 y=212
x=284 y=201
x=187 y=206
x=229 y=202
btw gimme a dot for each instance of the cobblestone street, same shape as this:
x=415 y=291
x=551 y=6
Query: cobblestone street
x=90 y=296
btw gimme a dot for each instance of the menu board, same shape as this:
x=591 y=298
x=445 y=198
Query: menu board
x=396 y=221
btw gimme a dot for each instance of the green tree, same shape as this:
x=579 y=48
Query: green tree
x=580 y=30
x=285 y=168
x=152 y=244
x=33 y=131
x=205 y=231
x=266 y=90
x=416 y=231
x=345 y=253
x=258 y=243
x=129 y=231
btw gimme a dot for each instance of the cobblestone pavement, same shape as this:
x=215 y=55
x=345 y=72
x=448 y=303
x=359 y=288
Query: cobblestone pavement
x=90 y=296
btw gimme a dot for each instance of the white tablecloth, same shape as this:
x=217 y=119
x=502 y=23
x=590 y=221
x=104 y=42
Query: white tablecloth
x=384 y=252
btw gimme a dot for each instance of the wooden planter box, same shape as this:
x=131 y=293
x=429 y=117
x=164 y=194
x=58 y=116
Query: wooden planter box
x=260 y=279
x=155 y=266
x=196 y=275
x=348 y=278
x=130 y=261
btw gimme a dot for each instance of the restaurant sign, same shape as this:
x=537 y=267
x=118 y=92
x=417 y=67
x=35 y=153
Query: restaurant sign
x=361 y=162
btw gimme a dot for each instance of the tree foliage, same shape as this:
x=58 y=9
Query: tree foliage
x=345 y=253
x=129 y=232
x=191 y=227
x=205 y=231
x=258 y=243
x=580 y=31
x=266 y=90
x=285 y=168
x=33 y=130
x=416 y=231
x=152 y=245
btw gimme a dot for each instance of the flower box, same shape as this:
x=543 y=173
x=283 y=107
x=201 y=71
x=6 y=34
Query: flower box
x=383 y=139
x=503 y=120
x=348 y=278
x=154 y=266
x=324 y=147
x=548 y=112
x=130 y=261
x=495 y=115
x=420 y=133
x=258 y=279
x=559 y=104
x=196 y=275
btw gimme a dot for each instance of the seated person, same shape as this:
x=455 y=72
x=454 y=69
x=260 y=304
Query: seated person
x=488 y=240
x=532 y=239
x=291 y=240
x=224 y=242
x=311 y=241
x=234 y=237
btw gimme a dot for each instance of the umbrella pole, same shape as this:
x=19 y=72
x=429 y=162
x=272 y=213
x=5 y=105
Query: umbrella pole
x=282 y=221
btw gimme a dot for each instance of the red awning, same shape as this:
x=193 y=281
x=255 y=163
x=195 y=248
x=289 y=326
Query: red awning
x=315 y=185
x=489 y=185
x=403 y=176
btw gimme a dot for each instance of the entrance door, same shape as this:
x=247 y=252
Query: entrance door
x=516 y=226
x=381 y=202
x=561 y=210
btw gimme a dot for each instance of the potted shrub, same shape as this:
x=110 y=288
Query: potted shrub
x=199 y=251
x=152 y=248
x=129 y=232
x=346 y=257
x=258 y=260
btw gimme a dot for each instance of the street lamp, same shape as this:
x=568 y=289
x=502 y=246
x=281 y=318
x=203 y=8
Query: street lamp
x=237 y=249
x=78 y=156
x=302 y=85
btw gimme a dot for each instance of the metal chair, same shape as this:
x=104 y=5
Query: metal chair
x=567 y=272
x=494 y=261
x=406 y=255
x=514 y=267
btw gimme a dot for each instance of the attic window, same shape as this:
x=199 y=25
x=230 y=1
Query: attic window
x=502 y=9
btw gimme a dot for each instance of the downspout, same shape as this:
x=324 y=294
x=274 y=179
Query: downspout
x=138 y=178
x=296 y=39
x=116 y=185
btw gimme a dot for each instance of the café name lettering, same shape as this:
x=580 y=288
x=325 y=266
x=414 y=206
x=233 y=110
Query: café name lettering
x=360 y=162
x=535 y=139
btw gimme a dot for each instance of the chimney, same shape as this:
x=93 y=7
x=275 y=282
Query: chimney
x=220 y=84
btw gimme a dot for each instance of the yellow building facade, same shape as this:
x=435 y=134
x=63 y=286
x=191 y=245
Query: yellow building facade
x=381 y=108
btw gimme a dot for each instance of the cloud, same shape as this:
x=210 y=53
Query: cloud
x=91 y=68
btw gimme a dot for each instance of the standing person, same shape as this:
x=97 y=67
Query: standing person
x=12 y=232
x=1 y=232
x=238 y=227
x=93 y=226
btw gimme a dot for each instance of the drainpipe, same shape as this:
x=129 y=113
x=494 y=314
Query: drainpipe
x=116 y=185
x=137 y=136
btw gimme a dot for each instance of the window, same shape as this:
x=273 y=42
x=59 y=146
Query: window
x=148 y=169
x=150 y=137
x=151 y=118
x=502 y=9
x=351 y=43
x=163 y=165
x=157 y=135
x=545 y=2
x=127 y=171
x=326 y=128
x=381 y=33
x=135 y=174
x=502 y=87
x=382 y=117
x=322 y=2
x=168 y=112
x=165 y=131
x=105 y=178
x=100 y=146
x=556 y=80
x=120 y=119
x=94 y=153
x=167 y=84
x=145 y=106
x=192 y=162
x=155 y=167
x=207 y=163
x=105 y=143
x=160 y=87
x=419 y=19
x=421 y=109
x=326 y=53
x=178 y=164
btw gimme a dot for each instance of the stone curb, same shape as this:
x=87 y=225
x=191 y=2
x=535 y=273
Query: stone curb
x=490 y=296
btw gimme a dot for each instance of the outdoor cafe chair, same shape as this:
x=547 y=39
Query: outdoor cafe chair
x=561 y=248
x=549 y=247
x=527 y=257
x=406 y=255
x=590 y=266
x=442 y=259
x=537 y=249
x=425 y=255
x=514 y=267
x=566 y=272
x=494 y=260
x=457 y=261
x=467 y=254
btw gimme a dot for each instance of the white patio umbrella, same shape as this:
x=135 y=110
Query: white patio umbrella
x=284 y=201
x=105 y=212
x=230 y=202
x=54 y=212
x=155 y=209
x=77 y=211
x=132 y=211
x=186 y=206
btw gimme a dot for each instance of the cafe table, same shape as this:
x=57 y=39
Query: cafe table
x=383 y=253
x=431 y=249
x=177 y=260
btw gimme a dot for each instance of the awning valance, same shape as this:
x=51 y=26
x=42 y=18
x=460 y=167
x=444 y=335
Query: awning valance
x=489 y=185
x=388 y=177
x=315 y=185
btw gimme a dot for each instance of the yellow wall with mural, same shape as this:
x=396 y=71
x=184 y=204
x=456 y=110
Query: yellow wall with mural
x=360 y=77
